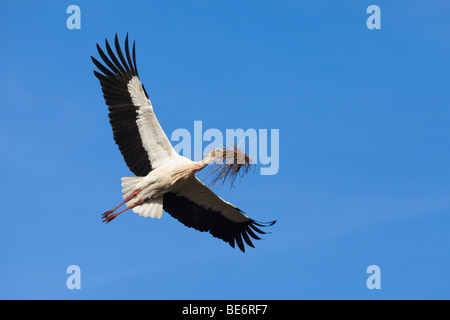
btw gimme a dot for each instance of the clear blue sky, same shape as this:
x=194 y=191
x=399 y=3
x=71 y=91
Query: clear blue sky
x=364 y=174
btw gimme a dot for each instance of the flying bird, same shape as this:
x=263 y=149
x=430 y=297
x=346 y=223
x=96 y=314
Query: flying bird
x=165 y=180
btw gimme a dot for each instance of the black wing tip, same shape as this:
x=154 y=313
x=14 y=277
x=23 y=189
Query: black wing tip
x=264 y=224
x=116 y=62
x=236 y=234
x=253 y=224
x=248 y=230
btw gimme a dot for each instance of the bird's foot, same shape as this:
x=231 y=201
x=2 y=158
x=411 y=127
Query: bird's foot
x=108 y=216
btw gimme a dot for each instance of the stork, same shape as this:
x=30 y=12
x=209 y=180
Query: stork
x=164 y=180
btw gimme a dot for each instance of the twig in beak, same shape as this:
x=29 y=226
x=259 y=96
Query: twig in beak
x=228 y=165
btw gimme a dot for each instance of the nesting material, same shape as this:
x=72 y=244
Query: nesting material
x=229 y=164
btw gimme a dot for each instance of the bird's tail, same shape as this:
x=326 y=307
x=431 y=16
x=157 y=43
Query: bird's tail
x=149 y=208
x=152 y=209
x=129 y=185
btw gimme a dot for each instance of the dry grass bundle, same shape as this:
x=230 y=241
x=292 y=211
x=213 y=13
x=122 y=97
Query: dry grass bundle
x=229 y=164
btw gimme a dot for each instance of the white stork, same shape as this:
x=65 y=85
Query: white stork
x=164 y=179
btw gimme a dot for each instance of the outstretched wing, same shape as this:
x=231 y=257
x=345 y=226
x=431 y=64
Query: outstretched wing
x=196 y=206
x=136 y=129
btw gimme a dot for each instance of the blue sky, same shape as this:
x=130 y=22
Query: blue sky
x=363 y=117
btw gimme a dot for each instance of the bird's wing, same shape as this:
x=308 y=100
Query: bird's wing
x=196 y=206
x=136 y=130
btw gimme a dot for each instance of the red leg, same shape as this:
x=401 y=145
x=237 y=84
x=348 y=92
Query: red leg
x=109 y=218
x=126 y=200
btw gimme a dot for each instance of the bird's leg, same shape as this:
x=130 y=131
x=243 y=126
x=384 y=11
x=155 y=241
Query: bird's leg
x=126 y=200
x=109 y=218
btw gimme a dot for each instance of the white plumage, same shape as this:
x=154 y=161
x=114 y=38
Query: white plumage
x=164 y=180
